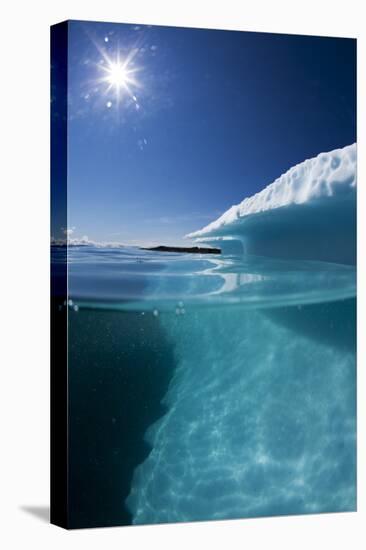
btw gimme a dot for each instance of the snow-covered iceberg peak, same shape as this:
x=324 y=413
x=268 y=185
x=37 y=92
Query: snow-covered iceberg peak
x=327 y=175
x=309 y=203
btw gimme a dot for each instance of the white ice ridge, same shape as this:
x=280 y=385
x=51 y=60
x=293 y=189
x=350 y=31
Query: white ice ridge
x=328 y=175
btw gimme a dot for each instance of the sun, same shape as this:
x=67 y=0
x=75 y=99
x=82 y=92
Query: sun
x=119 y=75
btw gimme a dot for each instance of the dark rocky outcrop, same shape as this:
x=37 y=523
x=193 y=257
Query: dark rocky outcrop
x=190 y=250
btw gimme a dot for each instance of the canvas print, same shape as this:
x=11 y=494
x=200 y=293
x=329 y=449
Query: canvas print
x=203 y=274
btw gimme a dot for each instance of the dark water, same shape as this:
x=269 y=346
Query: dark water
x=119 y=369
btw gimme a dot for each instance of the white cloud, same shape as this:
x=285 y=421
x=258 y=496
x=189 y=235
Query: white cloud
x=68 y=231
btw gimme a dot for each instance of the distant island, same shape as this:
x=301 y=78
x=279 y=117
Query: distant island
x=191 y=250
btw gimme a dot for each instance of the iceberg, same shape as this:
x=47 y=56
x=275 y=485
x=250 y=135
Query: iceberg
x=244 y=360
x=311 y=208
x=260 y=412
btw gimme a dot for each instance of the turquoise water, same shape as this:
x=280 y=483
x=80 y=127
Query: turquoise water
x=209 y=387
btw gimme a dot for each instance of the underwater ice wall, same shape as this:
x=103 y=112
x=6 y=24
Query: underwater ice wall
x=307 y=213
x=260 y=421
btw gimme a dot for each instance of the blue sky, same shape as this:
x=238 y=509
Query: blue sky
x=210 y=118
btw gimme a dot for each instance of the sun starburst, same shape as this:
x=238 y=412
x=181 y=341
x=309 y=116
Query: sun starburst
x=120 y=75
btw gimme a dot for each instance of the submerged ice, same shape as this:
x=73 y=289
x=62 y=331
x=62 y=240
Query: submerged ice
x=260 y=421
